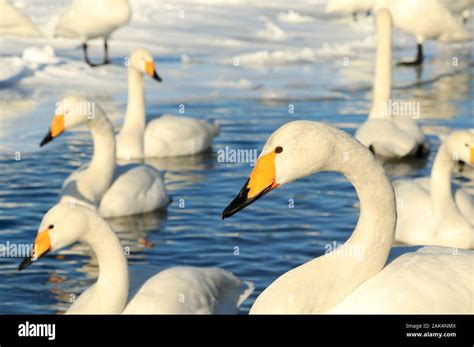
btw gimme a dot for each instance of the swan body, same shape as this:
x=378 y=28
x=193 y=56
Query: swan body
x=429 y=212
x=323 y=283
x=87 y=20
x=175 y=290
x=113 y=190
x=387 y=135
x=174 y=136
x=164 y=292
x=406 y=285
x=16 y=23
x=167 y=136
x=426 y=20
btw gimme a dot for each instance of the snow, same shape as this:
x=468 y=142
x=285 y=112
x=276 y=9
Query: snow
x=204 y=49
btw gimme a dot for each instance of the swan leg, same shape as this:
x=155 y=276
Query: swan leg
x=418 y=60
x=106 y=53
x=86 y=57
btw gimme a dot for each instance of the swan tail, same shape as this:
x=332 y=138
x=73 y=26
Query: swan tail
x=246 y=293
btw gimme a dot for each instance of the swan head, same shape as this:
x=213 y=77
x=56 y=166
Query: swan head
x=295 y=150
x=61 y=226
x=142 y=61
x=460 y=145
x=71 y=111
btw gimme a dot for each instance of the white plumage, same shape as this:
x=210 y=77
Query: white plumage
x=355 y=277
x=166 y=136
x=429 y=211
x=90 y=19
x=173 y=136
x=388 y=135
x=16 y=23
x=176 y=290
x=426 y=20
x=114 y=190
x=188 y=290
x=429 y=280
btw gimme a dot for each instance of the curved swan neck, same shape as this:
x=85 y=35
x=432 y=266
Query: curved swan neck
x=383 y=67
x=441 y=194
x=364 y=254
x=135 y=116
x=101 y=168
x=109 y=294
x=375 y=228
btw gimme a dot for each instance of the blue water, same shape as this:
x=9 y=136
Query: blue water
x=271 y=237
x=288 y=227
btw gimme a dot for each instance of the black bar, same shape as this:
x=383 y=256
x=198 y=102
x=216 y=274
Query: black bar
x=297 y=329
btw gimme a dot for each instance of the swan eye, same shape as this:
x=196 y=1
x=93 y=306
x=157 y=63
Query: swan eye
x=278 y=149
x=466 y=144
x=51 y=226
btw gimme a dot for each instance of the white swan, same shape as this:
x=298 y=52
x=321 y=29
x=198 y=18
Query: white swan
x=115 y=190
x=427 y=212
x=87 y=20
x=430 y=280
x=182 y=289
x=167 y=136
x=388 y=135
x=349 y=6
x=16 y=23
x=426 y=20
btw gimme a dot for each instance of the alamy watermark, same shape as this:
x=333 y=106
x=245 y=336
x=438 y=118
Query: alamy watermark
x=76 y=108
x=402 y=108
x=239 y=155
x=16 y=250
x=345 y=250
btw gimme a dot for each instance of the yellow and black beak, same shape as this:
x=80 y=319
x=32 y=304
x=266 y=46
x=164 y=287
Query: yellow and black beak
x=41 y=247
x=151 y=71
x=260 y=182
x=56 y=128
x=471 y=155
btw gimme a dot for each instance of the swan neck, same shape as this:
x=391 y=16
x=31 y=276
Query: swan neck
x=135 y=116
x=111 y=288
x=383 y=69
x=375 y=228
x=365 y=253
x=101 y=168
x=441 y=193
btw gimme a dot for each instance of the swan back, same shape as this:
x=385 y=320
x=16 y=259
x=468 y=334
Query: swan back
x=86 y=19
x=188 y=290
x=426 y=19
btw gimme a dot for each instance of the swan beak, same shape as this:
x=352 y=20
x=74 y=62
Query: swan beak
x=41 y=247
x=56 y=128
x=472 y=155
x=260 y=182
x=150 y=70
